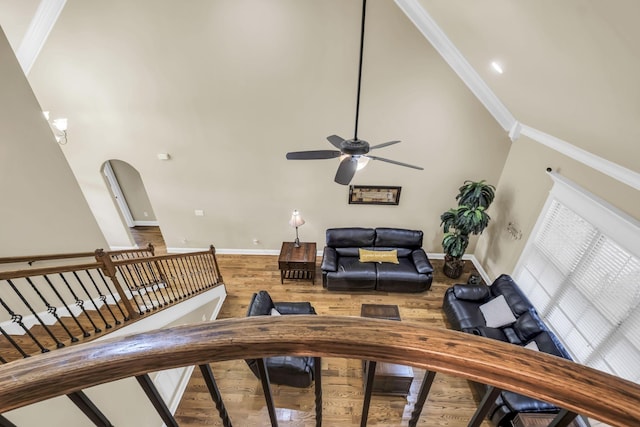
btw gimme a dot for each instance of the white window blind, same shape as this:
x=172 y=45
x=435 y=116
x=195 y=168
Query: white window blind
x=581 y=269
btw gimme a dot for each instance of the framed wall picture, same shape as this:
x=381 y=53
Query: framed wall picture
x=374 y=195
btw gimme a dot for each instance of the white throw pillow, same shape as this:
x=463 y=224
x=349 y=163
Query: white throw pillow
x=275 y=312
x=532 y=346
x=497 y=313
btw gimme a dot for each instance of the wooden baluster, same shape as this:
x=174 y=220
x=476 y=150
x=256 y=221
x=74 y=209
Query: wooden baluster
x=266 y=388
x=317 y=377
x=485 y=405
x=425 y=387
x=207 y=373
x=368 y=388
x=109 y=270
x=215 y=265
x=82 y=401
x=156 y=400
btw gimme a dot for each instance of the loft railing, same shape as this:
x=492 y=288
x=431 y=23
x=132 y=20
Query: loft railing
x=578 y=389
x=80 y=295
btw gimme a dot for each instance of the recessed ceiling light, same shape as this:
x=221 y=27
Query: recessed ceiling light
x=497 y=67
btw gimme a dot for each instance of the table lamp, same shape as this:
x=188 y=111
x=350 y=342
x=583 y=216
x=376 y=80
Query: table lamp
x=296 y=221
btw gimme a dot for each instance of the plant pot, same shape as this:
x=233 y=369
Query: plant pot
x=453 y=267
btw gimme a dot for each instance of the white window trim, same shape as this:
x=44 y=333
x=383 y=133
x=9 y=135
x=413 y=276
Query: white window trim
x=618 y=225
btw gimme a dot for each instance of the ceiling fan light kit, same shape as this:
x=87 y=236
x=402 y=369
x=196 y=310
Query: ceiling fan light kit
x=353 y=153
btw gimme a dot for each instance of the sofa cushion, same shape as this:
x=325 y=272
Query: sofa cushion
x=519 y=403
x=471 y=292
x=461 y=314
x=504 y=285
x=421 y=261
x=528 y=326
x=487 y=332
x=288 y=307
x=379 y=256
x=548 y=343
x=401 y=277
x=260 y=305
x=352 y=275
x=355 y=237
x=497 y=313
x=398 y=237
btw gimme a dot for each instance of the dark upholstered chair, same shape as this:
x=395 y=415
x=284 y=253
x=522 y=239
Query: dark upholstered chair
x=294 y=371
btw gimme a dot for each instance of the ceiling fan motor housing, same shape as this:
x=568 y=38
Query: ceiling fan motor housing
x=354 y=147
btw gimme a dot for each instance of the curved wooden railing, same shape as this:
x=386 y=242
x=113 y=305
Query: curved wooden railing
x=577 y=388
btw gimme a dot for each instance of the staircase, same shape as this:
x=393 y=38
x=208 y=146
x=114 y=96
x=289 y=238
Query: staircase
x=75 y=298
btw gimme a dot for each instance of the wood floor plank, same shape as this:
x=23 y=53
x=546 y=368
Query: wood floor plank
x=450 y=402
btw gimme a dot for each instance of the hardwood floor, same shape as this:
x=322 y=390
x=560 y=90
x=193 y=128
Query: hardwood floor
x=450 y=402
x=143 y=235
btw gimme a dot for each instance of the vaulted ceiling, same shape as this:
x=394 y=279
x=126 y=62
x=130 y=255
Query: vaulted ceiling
x=570 y=68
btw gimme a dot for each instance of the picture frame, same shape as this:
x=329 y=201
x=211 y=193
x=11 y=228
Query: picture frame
x=374 y=195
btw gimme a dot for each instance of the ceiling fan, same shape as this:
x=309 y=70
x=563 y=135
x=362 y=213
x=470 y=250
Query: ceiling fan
x=352 y=151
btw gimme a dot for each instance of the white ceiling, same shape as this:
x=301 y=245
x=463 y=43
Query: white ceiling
x=570 y=68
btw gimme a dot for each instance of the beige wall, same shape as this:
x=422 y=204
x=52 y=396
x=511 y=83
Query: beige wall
x=134 y=192
x=522 y=191
x=228 y=87
x=42 y=209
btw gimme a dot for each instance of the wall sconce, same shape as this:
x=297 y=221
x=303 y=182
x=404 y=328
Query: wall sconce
x=296 y=221
x=514 y=231
x=59 y=128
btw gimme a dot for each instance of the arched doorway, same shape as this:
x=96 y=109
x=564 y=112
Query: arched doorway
x=130 y=196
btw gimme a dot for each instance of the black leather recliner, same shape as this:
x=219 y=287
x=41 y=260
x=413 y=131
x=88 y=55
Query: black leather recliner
x=461 y=305
x=294 y=371
x=342 y=269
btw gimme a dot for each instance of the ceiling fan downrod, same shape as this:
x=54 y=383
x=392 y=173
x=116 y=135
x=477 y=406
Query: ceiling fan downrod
x=364 y=10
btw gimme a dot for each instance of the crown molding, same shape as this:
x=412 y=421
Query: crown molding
x=441 y=43
x=41 y=25
x=607 y=167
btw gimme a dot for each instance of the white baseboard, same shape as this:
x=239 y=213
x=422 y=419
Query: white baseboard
x=146 y=223
x=228 y=251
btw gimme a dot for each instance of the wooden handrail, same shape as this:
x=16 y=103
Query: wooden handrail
x=157 y=258
x=33 y=258
x=15 y=274
x=580 y=389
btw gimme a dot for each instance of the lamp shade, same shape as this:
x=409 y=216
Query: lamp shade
x=296 y=219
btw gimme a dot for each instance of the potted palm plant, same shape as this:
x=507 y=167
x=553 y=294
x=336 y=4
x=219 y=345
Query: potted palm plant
x=469 y=217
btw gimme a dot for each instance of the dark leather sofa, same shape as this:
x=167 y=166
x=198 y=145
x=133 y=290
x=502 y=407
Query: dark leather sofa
x=461 y=305
x=294 y=371
x=343 y=271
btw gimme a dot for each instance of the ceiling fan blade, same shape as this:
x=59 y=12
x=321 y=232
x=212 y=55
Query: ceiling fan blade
x=346 y=170
x=336 y=141
x=384 y=144
x=395 y=163
x=313 y=155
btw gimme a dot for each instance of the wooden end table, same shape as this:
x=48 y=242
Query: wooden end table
x=298 y=263
x=390 y=379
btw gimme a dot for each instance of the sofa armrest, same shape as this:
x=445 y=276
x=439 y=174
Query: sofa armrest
x=329 y=259
x=487 y=332
x=294 y=308
x=471 y=292
x=421 y=261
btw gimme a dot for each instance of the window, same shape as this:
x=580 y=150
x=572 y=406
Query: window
x=581 y=269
